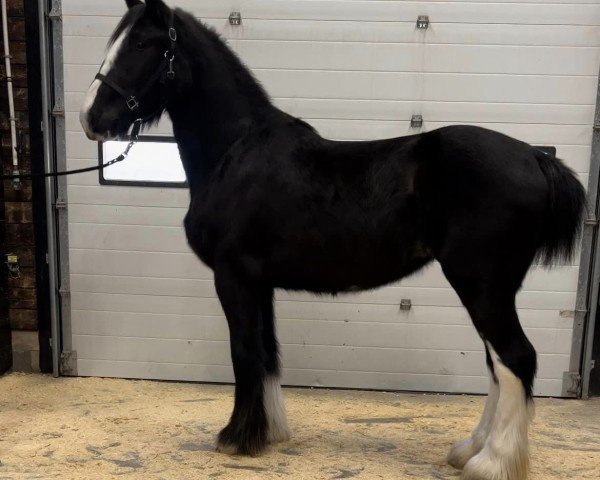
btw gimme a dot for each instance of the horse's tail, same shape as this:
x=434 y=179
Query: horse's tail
x=565 y=209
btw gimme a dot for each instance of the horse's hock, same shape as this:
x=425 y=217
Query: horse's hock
x=100 y=428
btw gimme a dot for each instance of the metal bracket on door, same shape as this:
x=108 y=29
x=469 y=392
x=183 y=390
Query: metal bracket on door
x=235 y=18
x=423 y=22
x=405 y=304
x=416 y=121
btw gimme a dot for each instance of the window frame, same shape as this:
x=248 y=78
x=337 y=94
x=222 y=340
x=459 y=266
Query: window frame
x=138 y=183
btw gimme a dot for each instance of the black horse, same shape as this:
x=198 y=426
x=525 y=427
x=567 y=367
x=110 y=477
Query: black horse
x=274 y=205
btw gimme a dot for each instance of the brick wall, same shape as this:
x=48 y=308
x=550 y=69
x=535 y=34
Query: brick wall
x=16 y=205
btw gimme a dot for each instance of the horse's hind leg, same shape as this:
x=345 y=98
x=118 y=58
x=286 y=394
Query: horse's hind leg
x=488 y=293
x=463 y=450
x=258 y=414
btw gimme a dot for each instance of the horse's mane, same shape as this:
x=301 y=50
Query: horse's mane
x=207 y=42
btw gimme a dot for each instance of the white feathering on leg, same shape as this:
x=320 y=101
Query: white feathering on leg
x=505 y=455
x=463 y=450
x=278 y=430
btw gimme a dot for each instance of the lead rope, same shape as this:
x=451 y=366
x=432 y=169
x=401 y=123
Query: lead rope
x=133 y=139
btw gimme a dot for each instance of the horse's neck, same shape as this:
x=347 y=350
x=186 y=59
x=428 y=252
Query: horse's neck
x=217 y=108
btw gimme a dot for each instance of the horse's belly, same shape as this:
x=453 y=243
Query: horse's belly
x=333 y=272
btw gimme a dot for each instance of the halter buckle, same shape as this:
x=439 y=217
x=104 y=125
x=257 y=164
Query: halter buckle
x=132 y=103
x=170 y=58
x=172 y=34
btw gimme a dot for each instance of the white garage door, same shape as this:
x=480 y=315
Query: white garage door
x=144 y=307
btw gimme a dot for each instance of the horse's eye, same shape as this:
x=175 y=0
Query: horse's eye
x=141 y=46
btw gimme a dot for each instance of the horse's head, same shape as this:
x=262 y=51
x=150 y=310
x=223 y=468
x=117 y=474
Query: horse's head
x=132 y=79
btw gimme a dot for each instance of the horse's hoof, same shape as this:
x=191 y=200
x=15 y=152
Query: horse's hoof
x=280 y=435
x=461 y=452
x=487 y=465
x=227 y=448
x=232 y=442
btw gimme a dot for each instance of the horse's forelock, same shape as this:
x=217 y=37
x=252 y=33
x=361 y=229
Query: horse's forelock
x=129 y=20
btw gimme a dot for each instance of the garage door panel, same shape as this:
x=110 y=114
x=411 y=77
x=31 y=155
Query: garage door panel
x=373 y=32
x=147 y=304
x=183 y=266
x=148 y=196
x=137 y=264
x=420 y=295
x=154 y=370
x=121 y=215
x=299 y=377
x=428 y=86
x=363 y=129
x=548 y=341
x=444 y=12
x=474 y=112
x=388 y=360
x=534 y=134
x=318 y=108
x=311 y=307
x=384 y=296
x=128 y=237
x=537 y=324
x=385 y=57
x=309 y=357
x=568 y=90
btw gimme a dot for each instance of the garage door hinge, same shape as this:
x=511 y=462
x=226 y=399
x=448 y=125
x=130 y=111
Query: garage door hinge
x=64 y=292
x=579 y=318
x=56 y=12
x=58 y=111
x=68 y=361
x=60 y=204
x=571 y=384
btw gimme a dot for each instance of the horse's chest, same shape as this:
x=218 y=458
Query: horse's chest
x=198 y=237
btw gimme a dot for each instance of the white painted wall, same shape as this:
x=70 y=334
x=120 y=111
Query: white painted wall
x=144 y=307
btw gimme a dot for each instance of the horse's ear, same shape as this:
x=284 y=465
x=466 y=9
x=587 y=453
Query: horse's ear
x=132 y=3
x=158 y=8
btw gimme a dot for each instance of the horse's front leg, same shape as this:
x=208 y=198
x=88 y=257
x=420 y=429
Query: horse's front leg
x=248 y=308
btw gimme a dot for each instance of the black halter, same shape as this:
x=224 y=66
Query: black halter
x=163 y=73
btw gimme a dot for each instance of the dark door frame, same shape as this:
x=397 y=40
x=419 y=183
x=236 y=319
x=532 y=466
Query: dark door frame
x=34 y=76
x=595 y=370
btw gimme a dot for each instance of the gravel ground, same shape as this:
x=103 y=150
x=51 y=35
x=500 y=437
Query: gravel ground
x=92 y=428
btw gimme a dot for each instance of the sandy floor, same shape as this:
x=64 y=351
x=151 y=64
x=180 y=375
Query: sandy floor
x=99 y=428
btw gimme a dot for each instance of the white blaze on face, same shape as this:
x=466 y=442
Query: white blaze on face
x=92 y=92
